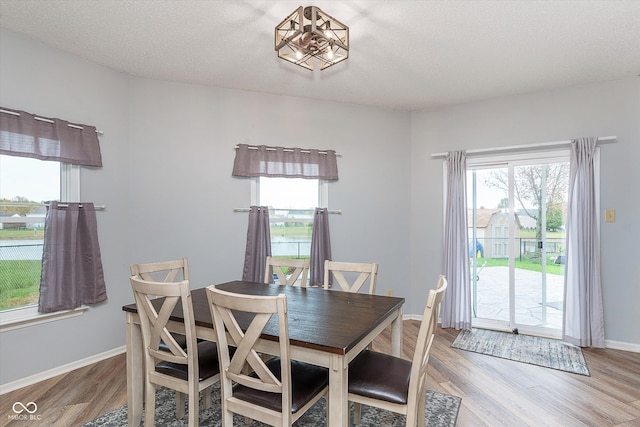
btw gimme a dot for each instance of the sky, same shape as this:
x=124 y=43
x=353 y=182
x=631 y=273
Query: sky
x=289 y=193
x=486 y=197
x=33 y=179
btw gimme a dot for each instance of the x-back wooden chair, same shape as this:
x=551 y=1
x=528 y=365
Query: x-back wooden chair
x=364 y=271
x=281 y=266
x=277 y=391
x=392 y=383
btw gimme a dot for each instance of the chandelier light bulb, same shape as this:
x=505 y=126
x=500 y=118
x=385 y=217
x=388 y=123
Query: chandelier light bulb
x=298 y=54
x=330 y=53
x=327 y=31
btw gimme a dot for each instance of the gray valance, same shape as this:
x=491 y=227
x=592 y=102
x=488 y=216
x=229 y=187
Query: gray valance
x=285 y=162
x=27 y=135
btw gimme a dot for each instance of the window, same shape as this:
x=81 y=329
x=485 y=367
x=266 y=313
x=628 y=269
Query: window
x=291 y=203
x=25 y=185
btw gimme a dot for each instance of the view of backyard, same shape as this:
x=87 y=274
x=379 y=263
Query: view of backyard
x=20 y=265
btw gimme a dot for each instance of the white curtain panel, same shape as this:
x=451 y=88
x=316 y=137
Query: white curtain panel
x=583 y=323
x=456 y=305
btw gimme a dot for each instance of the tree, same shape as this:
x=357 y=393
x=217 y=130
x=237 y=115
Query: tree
x=17 y=205
x=555 y=217
x=532 y=183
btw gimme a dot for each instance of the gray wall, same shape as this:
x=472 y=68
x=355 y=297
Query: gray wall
x=47 y=82
x=606 y=109
x=168 y=152
x=183 y=195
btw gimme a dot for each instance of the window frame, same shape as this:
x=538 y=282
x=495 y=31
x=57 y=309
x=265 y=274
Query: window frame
x=323 y=191
x=518 y=158
x=28 y=315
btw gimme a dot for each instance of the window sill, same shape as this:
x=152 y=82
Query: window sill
x=29 y=316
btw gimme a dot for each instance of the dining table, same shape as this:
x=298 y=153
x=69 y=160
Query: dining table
x=327 y=328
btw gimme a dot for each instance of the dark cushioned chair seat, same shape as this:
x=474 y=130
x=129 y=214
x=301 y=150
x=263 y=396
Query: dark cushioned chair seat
x=306 y=382
x=207 y=361
x=380 y=376
x=180 y=339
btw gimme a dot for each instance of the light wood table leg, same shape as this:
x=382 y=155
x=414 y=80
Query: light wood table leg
x=338 y=392
x=135 y=372
x=396 y=335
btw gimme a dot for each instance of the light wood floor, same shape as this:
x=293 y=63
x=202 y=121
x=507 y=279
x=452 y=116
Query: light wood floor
x=495 y=392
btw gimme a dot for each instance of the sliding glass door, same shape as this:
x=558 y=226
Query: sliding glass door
x=517 y=213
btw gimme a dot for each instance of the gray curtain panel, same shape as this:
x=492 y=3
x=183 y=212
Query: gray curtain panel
x=583 y=322
x=72 y=272
x=456 y=304
x=21 y=134
x=285 y=162
x=258 y=244
x=320 y=246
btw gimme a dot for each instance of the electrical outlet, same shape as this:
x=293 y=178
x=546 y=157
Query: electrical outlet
x=610 y=215
x=389 y=292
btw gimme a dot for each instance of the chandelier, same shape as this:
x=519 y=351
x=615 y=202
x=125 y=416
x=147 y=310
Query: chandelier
x=309 y=35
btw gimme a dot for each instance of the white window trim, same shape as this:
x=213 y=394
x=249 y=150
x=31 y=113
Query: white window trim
x=29 y=316
x=22 y=317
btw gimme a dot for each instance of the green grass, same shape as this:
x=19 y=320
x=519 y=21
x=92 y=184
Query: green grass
x=20 y=280
x=37 y=234
x=19 y=283
x=524 y=264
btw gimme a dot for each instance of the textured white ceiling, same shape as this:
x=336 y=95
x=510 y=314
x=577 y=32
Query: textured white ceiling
x=404 y=54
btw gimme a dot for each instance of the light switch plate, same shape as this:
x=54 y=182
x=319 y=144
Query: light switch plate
x=610 y=215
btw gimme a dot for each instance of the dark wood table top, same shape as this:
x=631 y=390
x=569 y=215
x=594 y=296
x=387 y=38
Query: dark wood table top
x=331 y=321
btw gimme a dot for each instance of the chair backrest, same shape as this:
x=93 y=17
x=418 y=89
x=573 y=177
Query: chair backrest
x=225 y=309
x=154 y=313
x=357 y=275
x=281 y=266
x=417 y=382
x=165 y=271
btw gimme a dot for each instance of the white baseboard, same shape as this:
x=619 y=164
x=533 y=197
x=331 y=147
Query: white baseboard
x=619 y=345
x=30 y=380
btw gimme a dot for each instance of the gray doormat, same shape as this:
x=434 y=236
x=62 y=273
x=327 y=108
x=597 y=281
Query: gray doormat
x=545 y=352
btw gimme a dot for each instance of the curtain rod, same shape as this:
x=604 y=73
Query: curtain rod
x=331 y=211
x=43 y=119
x=254 y=147
x=555 y=144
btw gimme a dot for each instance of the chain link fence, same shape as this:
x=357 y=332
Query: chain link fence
x=20 y=266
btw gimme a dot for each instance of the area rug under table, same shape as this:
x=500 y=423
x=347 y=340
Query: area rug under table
x=441 y=410
x=539 y=351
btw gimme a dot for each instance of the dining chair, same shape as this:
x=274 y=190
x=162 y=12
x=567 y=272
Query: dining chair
x=188 y=370
x=395 y=384
x=281 y=266
x=357 y=274
x=164 y=271
x=276 y=391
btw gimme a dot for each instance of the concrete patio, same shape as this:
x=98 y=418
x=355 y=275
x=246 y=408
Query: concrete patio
x=493 y=297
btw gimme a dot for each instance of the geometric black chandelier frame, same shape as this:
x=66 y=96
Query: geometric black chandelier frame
x=309 y=36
